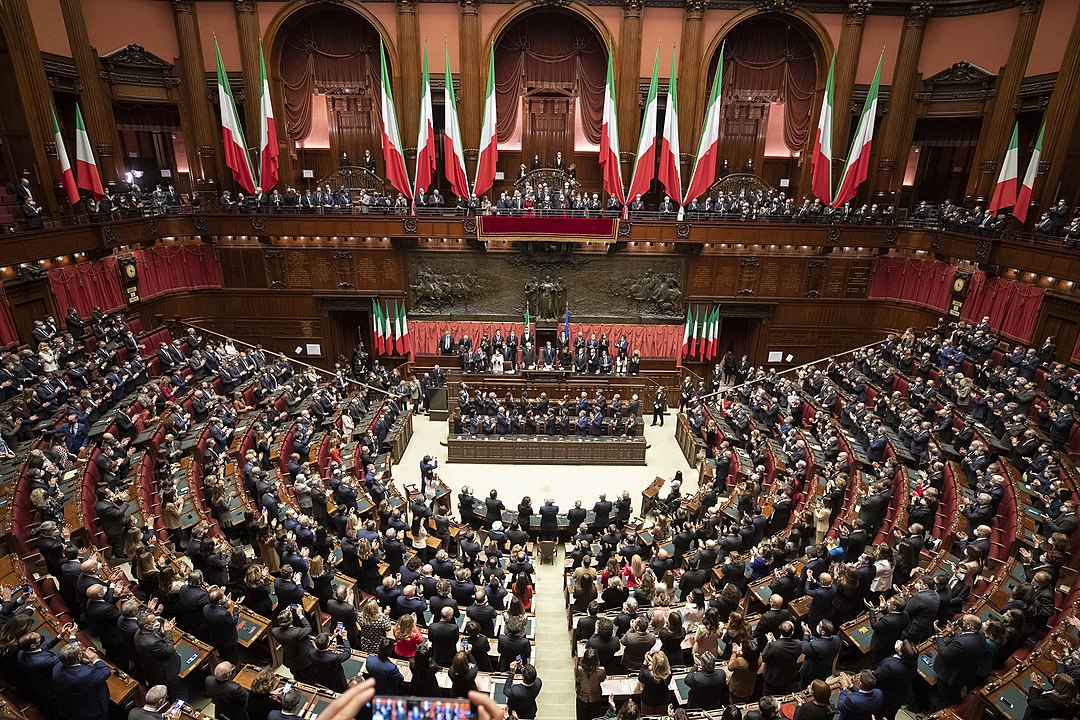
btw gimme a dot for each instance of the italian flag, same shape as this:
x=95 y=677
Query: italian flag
x=395 y=320
x=405 y=344
x=86 y=167
x=1005 y=190
x=708 y=148
x=609 y=137
x=453 y=149
x=710 y=335
x=379 y=339
x=1023 y=198
x=528 y=319
x=821 y=180
x=858 y=162
x=694 y=334
x=489 y=139
x=268 y=165
x=66 y=174
x=686 y=334
x=669 y=144
x=391 y=138
x=645 y=160
x=236 y=156
x=425 y=139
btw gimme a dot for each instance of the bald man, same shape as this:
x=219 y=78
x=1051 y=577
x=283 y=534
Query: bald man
x=821 y=592
x=230 y=699
x=102 y=619
x=957 y=661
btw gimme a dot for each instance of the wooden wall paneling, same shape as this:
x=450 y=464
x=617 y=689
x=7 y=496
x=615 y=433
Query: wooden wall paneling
x=29 y=301
x=1059 y=319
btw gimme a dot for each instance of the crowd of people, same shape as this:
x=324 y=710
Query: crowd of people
x=482 y=413
x=497 y=353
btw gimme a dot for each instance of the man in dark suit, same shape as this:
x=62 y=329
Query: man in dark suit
x=821 y=592
x=292 y=630
x=819 y=652
x=482 y=612
x=549 y=520
x=229 y=698
x=957 y=660
x=602 y=512
x=193 y=598
x=80 y=684
x=771 y=619
x=157 y=654
x=221 y=626
x=101 y=619
x=859 y=696
x=327 y=661
x=157 y=697
x=387 y=676
x=513 y=643
x=887 y=627
x=921 y=611
x=443 y=636
x=781 y=658
x=37 y=660
x=708 y=688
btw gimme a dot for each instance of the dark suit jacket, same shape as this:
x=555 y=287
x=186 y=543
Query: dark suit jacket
x=327 y=666
x=221 y=628
x=443 y=637
x=819 y=655
x=485 y=615
x=957 y=660
x=894 y=680
x=781 y=663
x=230 y=699
x=81 y=691
x=157 y=657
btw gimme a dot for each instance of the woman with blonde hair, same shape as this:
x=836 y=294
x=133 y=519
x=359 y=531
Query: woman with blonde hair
x=47 y=358
x=637 y=569
x=407 y=636
x=655 y=676
x=374 y=625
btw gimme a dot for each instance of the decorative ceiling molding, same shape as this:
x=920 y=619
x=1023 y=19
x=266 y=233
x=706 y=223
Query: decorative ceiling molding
x=133 y=64
x=960 y=82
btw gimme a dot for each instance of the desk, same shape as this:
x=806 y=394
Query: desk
x=193 y=653
x=545 y=450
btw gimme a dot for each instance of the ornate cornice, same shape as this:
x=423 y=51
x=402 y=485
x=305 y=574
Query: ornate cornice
x=134 y=65
x=632 y=8
x=784 y=6
x=244 y=6
x=551 y=3
x=858 y=9
x=406 y=6
x=469 y=7
x=919 y=12
x=961 y=81
x=696 y=8
x=183 y=6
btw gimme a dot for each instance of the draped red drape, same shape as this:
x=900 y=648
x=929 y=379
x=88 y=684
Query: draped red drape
x=767 y=60
x=8 y=332
x=652 y=341
x=1013 y=307
x=922 y=282
x=534 y=53
x=176 y=267
x=336 y=50
x=87 y=285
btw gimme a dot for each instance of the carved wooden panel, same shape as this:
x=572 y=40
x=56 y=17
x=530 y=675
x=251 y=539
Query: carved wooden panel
x=549 y=128
x=815 y=276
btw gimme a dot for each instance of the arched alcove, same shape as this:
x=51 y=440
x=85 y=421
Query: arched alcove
x=775 y=65
x=324 y=64
x=550 y=70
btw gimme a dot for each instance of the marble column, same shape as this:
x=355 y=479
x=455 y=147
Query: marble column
x=628 y=64
x=999 y=121
x=409 y=57
x=93 y=97
x=899 y=124
x=201 y=132
x=693 y=90
x=470 y=78
x=1062 y=115
x=847 y=63
x=247 y=34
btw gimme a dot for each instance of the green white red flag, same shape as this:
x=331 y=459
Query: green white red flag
x=669 y=174
x=268 y=144
x=858 y=163
x=85 y=165
x=1023 y=198
x=1005 y=189
x=453 y=148
x=489 y=137
x=232 y=135
x=67 y=176
x=701 y=179
x=609 y=137
x=391 y=137
x=645 y=159
x=821 y=179
x=425 y=139
x=378 y=340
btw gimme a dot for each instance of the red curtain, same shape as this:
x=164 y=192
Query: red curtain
x=86 y=286
x=565 y=56
x=335 y=50
x=652 y=341
x=1013 y=307
x=918 y=281
x=176 y=267
x=767 y=60
x=8 y=333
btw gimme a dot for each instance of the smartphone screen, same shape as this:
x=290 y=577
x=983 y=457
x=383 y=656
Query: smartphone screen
x=413 y=708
